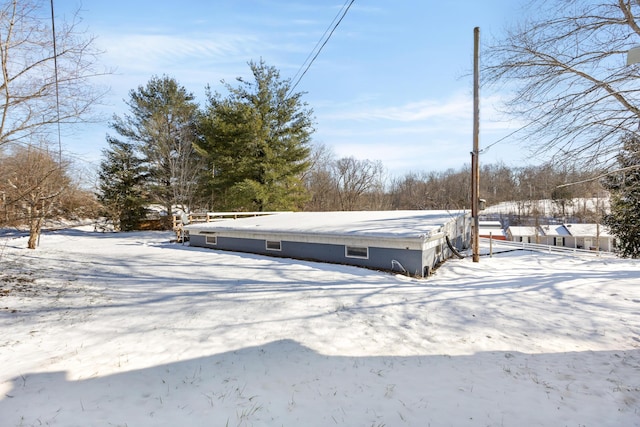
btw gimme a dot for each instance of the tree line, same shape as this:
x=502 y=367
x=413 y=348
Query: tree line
x=352 y=184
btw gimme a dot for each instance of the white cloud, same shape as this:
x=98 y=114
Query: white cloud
x=458 y=107
x=149 y=51
x=412 y=112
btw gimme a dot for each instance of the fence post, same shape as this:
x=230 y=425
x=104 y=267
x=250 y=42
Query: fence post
x=490 y=244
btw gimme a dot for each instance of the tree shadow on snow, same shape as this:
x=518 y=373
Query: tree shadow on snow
x=151 y=282
x=285 y=383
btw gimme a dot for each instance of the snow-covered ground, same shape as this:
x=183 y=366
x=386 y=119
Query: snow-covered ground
x=131 y=330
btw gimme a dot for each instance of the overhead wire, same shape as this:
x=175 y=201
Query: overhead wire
x=318 y=43
x=485 y=149
x=325 y=36
x=55 y=71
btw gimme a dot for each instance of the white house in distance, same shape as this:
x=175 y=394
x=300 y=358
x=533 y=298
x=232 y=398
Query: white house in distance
x=522 y=233
x=577 y=236
x=409 y=242
x=553 y=235
x=590 y=236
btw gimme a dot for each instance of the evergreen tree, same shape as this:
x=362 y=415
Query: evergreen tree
x=256 y=141
x=624 y=219
x=162 y=126
x=121 y=180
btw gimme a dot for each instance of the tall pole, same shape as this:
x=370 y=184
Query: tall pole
x=475 y=168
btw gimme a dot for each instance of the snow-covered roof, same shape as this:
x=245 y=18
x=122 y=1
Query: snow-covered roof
x=490 y=232
x=522 y=230
x=588 y=230
x=407 y=224
x=555 y=230
x=490 y=224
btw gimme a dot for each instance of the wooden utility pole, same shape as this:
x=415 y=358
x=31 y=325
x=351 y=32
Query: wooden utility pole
x=475 y=168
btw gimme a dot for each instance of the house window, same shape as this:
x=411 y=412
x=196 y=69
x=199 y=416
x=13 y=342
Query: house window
x=274 y=245
x=559 y=241
x=212 y=240
x=357 y=252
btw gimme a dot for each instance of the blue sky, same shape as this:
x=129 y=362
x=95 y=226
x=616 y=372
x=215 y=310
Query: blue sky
x=392 y=84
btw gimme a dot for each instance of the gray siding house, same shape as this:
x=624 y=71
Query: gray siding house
x=409 y=242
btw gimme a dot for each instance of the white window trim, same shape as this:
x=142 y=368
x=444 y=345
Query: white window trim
x=211 y=240
x=347 y=255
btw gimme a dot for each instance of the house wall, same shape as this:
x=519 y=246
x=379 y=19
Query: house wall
x=459 y=232
x=378 y=257
x=433 y=255
x=436 y=249
x=522 y=234
x=604 y=243
x=521 y=238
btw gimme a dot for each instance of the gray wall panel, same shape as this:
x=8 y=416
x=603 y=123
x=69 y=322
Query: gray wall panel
x=381 y=258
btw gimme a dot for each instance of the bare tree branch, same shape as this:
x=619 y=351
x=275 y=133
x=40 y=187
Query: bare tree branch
x=28 y=85
x=566 y=74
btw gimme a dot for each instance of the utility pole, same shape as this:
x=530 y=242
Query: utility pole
x=475 y=154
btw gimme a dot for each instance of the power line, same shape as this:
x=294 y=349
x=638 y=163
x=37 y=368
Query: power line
x=341 y=14
x=55 y=68
x=318 y=43
x=485 y=149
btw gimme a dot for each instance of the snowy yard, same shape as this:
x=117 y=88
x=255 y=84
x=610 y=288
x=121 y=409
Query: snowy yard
x=131 y=330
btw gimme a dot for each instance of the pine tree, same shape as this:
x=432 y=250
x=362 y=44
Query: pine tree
x=162 y=126
x=256 y=141
x=121 y=182
x=624 y=219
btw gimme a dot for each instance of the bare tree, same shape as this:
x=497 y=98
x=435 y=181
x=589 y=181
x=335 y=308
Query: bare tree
x=320 y=181
x=566 y=66
x=355 y=178
x=32 y=100
x=409 y=192
x=344 y=184
x=34 y=182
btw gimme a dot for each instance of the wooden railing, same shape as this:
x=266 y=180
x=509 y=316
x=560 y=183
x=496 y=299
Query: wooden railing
x=195 y=218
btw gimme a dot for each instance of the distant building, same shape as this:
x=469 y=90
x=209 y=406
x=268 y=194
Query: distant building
x=491 y=229
x=590 y=236
x=521 y=233
x=576 y=236
x=553 y=235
